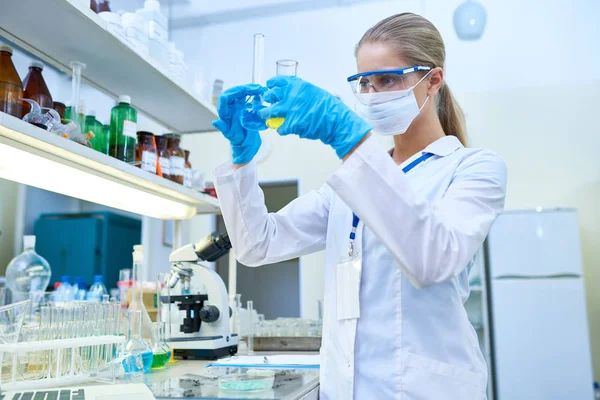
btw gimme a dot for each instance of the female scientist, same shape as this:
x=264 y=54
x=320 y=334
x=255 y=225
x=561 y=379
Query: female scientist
x=400 y=228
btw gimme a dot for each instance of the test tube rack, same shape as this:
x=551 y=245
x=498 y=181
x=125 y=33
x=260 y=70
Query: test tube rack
x=61 y=358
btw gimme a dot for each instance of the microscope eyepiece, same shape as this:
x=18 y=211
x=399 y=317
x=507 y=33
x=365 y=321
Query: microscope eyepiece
x=213 y=247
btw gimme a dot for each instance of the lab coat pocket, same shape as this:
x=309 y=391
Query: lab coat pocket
x=425 y=379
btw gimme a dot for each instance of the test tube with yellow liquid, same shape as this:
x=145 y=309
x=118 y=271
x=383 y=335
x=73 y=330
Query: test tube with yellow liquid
x=284 y=68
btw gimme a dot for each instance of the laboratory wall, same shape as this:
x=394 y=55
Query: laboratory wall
x=528 y=88
x=8 y=206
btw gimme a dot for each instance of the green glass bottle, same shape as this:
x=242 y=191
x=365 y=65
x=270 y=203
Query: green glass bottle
x=123 y=130
x=100 y=139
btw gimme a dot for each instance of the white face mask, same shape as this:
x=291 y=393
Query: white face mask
x=390 y=113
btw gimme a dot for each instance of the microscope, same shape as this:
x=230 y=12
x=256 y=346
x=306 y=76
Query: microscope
x=197 y=303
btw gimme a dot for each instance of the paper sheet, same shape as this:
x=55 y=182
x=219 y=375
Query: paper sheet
x=273 y=362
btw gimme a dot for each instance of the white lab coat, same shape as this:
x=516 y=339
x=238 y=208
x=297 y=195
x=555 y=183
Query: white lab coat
x=418 y=234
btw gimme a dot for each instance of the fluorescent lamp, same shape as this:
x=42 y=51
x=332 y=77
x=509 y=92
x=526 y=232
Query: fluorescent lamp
x=34 y=157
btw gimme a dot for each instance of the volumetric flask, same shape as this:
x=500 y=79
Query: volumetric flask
x=284 y=68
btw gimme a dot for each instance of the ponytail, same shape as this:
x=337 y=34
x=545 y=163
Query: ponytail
x=451 y=115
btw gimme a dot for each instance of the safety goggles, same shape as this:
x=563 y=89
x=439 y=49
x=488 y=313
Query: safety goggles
x=384 y=80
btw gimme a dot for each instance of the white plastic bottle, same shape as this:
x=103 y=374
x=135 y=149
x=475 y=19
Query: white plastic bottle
x=157 y=31
x=64 y=292
x=97 y=290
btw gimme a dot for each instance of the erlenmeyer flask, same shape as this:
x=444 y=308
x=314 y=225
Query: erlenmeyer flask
x=284 y=68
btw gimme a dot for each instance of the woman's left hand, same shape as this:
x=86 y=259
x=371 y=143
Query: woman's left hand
x=312 y=113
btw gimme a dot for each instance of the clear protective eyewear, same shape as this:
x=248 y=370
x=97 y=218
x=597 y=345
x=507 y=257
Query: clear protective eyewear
x=388 y=80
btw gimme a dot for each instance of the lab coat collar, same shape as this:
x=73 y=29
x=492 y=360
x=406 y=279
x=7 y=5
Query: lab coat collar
x=444 y=146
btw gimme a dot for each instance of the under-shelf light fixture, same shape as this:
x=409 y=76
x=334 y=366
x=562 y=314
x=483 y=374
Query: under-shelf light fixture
x=32 y=165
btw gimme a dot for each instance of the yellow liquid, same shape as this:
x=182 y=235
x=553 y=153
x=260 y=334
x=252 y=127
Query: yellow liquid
x=275 y=123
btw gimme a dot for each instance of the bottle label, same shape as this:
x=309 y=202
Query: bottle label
x=165 y=165
x=130 y=129
x=187 y=177
x=177 y=166
x=157 y=32
x=149 y=161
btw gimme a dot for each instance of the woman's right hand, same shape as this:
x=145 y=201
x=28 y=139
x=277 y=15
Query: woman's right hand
x=244 y=143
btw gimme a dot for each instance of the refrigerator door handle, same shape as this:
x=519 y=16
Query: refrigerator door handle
x=539 y=276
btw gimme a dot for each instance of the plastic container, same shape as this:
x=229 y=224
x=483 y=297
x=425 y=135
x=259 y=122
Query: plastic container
x=11 y=87
x=145 y=152
x=136 y=31
x=123 y=130
x=100 y=141
x=164 y=157
x=157 y=26
x=97 y=290
x=28 y=272
x=64 y=292
x=79 y=287
x=114 y=24
x=250 y=382
x=176 y=157
x=187 y=170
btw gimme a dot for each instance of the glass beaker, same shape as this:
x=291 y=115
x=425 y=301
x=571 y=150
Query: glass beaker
x=161 y=353
x=284 y=68
x=137 y=354
x=250 y=119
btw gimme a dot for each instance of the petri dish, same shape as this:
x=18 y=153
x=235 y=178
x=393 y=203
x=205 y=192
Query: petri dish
x=253 y=381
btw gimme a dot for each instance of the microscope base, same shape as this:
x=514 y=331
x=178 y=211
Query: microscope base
x=205 y=354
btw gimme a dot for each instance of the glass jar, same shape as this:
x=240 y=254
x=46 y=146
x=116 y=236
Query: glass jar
x=164 y=158
x=176 y=156
x=35 y=88
x=60 y=109
x=187 y=170
x=11 y=87
x=123 y=128
x=145 y=152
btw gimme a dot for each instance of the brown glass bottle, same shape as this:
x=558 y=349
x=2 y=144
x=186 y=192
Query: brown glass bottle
x=176 y=157
x=145 y=152
x=60 y=109
x=164 y=158
x=11 y=87
x=35 y=88
x=103 y=6
x=187 y=171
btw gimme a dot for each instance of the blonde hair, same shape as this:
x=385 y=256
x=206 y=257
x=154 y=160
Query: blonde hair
x=420 y=43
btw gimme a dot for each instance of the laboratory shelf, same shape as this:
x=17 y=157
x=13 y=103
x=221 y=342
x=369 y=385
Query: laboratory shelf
x=36 y=157
x=61 y=31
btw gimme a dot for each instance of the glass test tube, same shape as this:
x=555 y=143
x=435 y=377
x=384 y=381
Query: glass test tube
x=259 y=58
x=250 y=312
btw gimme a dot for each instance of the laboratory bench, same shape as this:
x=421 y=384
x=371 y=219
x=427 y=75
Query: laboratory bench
x=187 y=379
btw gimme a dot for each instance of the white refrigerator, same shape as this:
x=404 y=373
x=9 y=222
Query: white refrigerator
x=537 y=314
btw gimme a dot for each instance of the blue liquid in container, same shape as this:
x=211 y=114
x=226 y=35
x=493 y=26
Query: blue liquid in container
x=147 y=360
x=130 y=363
x=250 y=118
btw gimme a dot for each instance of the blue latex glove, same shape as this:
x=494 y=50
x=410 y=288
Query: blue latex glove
x=312 y=113
x=244 y=143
